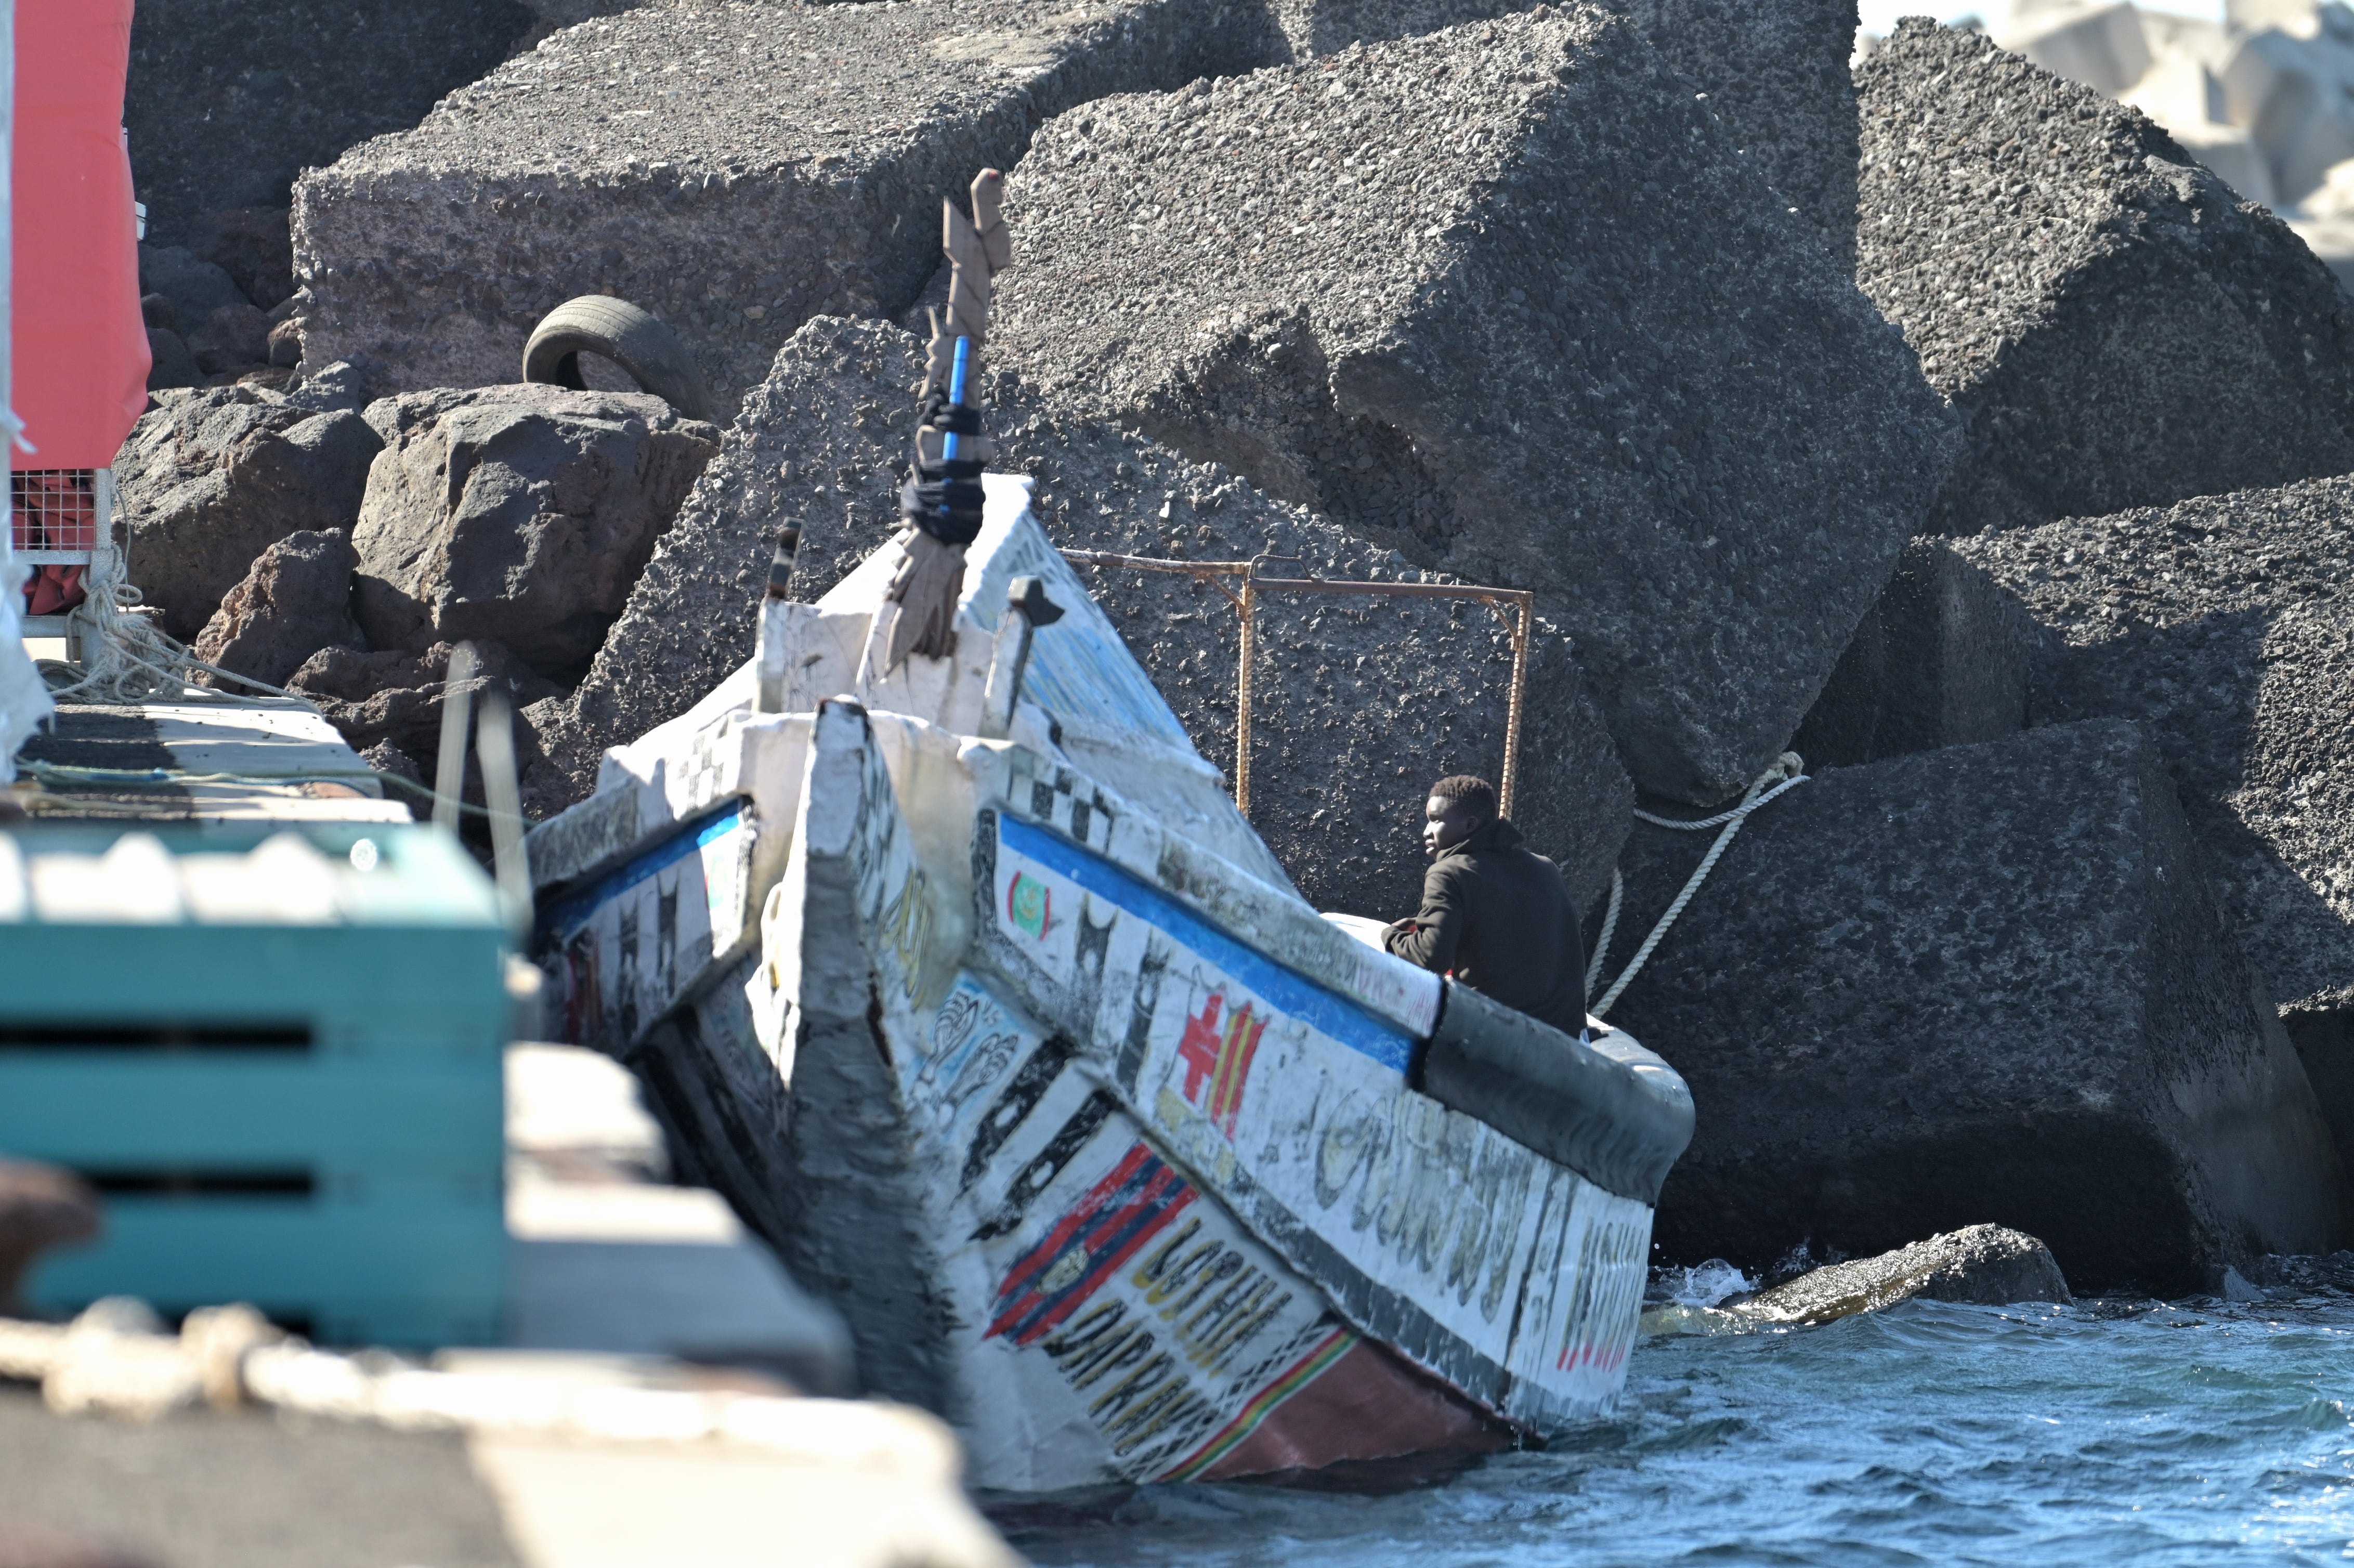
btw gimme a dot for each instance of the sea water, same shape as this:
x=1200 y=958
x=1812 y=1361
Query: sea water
x=2201 y=1432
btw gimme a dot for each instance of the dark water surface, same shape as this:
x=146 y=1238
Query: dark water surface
x=2201 y=1433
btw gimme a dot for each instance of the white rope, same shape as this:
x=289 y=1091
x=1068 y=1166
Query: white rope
x=130 y=659
x=1783 y=776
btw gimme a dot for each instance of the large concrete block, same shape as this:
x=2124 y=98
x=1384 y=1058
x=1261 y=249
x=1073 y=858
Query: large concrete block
x=1776 y=72
x=230 y=100
x=734 y=168
x=1361 y=704
x=1508 y=299
x=2225 y=624
x=1947 y=657
x=1987 y=983
x=2117 y=330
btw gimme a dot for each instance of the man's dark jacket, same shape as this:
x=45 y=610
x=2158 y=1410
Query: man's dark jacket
x=1500 y=917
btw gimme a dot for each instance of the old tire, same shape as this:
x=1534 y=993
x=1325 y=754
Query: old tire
x=655 y=357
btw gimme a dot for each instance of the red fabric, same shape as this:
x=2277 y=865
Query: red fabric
x=53 y=590
x=79 y=352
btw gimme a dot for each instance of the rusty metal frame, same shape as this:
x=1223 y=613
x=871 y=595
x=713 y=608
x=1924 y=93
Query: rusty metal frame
x=1515 y=607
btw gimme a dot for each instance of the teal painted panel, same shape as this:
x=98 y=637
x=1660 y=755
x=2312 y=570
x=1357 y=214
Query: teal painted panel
x=324 y=1264
x=155 y=1108
x=440 y=988
x=388 y=1106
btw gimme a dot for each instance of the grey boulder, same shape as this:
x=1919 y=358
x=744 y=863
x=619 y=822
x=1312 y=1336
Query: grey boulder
x=295 y=601
x=734 y=197
x=169 y=363
x=1948 y=656
x=393 y=699
x=254 y=245
x=1985 y=1265
x=1506 y=297
x=1985 y=983
x=521 y=513
x=234 y=337
x=2117 y=328
x=209 y=478
x=196 y=287
x=1360 y=703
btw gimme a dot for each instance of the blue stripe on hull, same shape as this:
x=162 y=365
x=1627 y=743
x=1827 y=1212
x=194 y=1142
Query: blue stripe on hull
x=1288 y=991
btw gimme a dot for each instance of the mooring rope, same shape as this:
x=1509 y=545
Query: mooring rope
x=1785 y=775
x=132 y=660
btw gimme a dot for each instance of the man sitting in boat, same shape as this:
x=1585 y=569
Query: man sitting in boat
x=1496 y=916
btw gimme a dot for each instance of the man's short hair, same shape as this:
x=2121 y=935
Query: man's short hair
x=1475 y=792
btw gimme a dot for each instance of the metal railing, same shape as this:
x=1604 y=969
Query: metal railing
x=1515 y=607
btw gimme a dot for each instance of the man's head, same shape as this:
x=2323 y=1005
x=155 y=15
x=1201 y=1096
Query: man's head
x=1458 y=807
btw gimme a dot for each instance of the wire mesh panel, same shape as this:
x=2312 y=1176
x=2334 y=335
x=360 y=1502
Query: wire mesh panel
x=53 y=510
x=56 y=523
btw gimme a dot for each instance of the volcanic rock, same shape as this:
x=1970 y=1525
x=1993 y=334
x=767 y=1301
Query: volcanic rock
x=521 y=513
x=1947 y=657
x=393 y=696
x=194 y=287
x=232 y=338
x=1988 y=1266
x=230 y=100
x=2226 y=625
x=785 y=162
x=40 y=1207
x=254 y=245
x=387 y=757
x=1985 y=982
x=296 y=601
x=210 y=478
x=1506 y=297
x=170 y=364
x=2116 y=329
x=1360 y=703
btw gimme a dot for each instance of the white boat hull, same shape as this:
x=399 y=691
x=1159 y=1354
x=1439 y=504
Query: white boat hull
x=1023 y=1053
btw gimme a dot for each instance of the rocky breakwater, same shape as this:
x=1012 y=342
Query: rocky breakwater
x=734 y=168
x=2225 y=625
x=1360 y=703
x=1984 y=981
x=211 y=477
x=299 y=541
x=2116 y=327
x=1508 y=299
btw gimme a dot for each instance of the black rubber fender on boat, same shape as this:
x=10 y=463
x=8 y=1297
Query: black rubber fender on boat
x=656 y=358
x=1611 y=1111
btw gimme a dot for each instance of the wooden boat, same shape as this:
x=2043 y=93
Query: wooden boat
x=969 y=987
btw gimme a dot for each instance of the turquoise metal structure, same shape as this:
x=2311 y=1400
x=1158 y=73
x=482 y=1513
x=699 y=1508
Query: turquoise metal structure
x=283 y=1069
